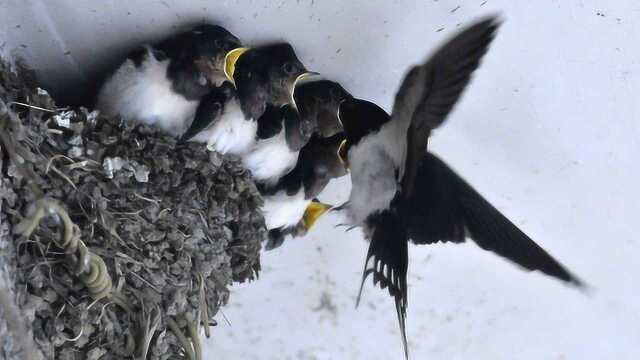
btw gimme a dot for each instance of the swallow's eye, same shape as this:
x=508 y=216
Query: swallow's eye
x=217 y=106
x=288 y=68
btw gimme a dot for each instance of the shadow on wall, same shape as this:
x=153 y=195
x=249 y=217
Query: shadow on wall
x=74 y=45
x=83 y=90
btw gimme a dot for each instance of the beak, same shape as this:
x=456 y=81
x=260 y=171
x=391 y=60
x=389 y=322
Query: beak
x=338 y=112
x=313 y=212
x=342 y=154
x=305 y=75
x=230 y=62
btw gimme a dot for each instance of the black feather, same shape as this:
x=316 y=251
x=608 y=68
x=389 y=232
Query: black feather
x=141 y=54
x=298 y=130
x=318 y=102
x=270 y=122
x=430 y=91
x=202 y=42
x=387 y=259
x=209 y=110
x=360 y=118
x=275 y=238
x=264 y=75
x=445 y=208
x=317 y=165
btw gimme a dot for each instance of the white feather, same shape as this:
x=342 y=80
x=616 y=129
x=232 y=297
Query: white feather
x=232 y=133
x=282 y=210
x=270 y=159
x=374 y=161
x=144 y=94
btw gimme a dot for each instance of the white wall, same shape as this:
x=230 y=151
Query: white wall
x=549 y=132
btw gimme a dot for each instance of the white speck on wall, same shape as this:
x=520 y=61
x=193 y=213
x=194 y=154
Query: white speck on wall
x=548 y=131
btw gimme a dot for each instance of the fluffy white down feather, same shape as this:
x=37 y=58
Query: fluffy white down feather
x=374 y=161
x=270 y=159
x=282 y=210
x=232 y=133
x=144 y=94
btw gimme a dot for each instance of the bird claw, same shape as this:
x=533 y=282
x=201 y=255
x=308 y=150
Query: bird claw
x=342 y=207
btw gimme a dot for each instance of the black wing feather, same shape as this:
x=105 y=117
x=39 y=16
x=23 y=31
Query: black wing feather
x=387 y=260
x=208 y=112
x=270 y=122
x=298 y=130
x=252 y=86
x=430 y=91
x=447 y=208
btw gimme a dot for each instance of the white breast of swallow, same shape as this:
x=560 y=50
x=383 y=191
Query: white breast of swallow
x=282 y=210
x=270 y=159
x=374 y=161
x=145 y=94
x=231 y=133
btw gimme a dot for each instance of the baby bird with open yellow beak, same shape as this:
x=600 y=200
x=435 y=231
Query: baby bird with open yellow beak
x=162 y=84
x=260 y=121
x=290 y=206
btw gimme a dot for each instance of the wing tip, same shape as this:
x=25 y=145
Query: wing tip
x=185 y=138
x=188 y=134
x=491 y=20
x=488 y=26
x=579 y=284
x=401 y=310
x=360 y=292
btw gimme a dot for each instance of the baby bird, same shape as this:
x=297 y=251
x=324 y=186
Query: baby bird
x=290 y=205
x=163 y=84
x=253 y=121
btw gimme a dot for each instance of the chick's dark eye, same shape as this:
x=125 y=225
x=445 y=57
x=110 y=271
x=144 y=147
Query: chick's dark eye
x=335 y=93
x=288 y=68
x=217 y=106
x=218 y=43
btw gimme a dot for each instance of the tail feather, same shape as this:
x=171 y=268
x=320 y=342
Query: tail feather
x=387 y=259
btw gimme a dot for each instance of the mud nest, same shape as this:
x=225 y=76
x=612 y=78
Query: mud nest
x=116 y=241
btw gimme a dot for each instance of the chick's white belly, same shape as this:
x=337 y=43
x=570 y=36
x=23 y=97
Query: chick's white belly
x=270 y=159
x=231 y=133
x=282 y=210
x=145 y=94
x=373 y=175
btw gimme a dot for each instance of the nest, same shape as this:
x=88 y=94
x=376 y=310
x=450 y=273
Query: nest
x=117 y=241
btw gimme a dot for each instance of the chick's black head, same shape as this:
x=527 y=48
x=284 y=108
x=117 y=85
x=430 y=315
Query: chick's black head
x=211 y=43
x=359 y=118
x=318 y=102
x=203 y=48
x=321 y=164
x=273 y=69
